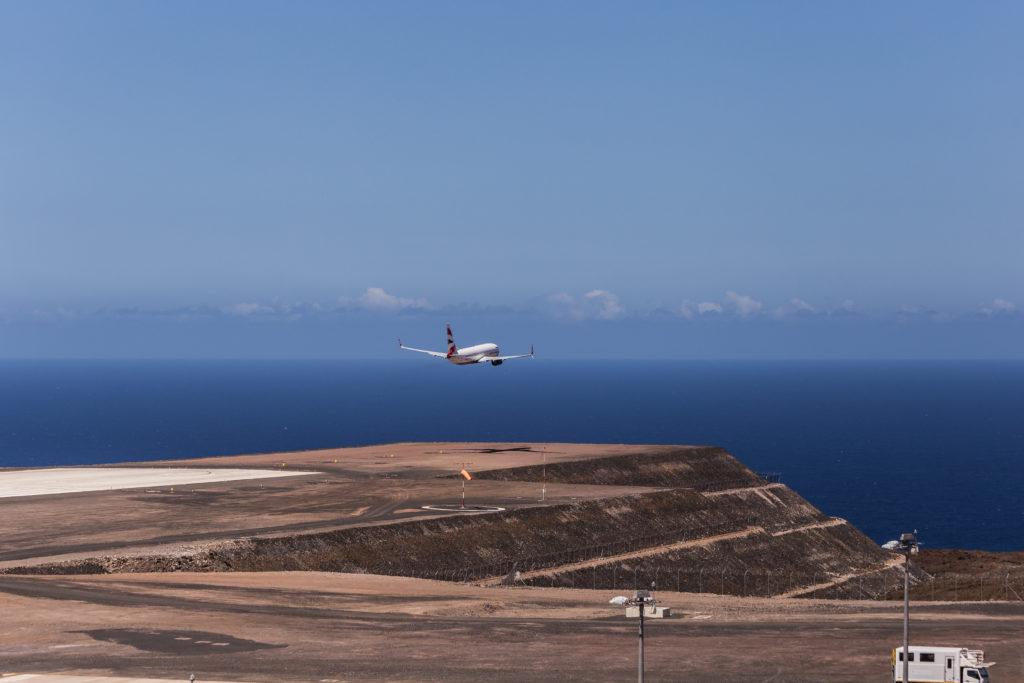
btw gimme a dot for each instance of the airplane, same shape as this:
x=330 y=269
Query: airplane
x=481 y=353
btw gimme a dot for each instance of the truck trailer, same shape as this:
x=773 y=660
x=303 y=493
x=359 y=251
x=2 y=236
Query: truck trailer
x=933 y=664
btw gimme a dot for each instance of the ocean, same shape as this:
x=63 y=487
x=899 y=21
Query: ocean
x=891 y=446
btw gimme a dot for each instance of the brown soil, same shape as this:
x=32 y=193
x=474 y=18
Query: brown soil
x=700 y=523
x=310 y=626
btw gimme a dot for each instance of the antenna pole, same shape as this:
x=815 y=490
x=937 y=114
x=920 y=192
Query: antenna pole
x=544 y=477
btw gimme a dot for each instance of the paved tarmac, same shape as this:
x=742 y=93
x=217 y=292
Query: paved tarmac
x=57 y=480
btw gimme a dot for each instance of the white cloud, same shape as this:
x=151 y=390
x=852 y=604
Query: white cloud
x=376 y=299
x=608 y=306
x=743 y=304
x=708 y=307
x=999 y=306
x=597 y=304
x=1003 y=305
x=561 y=298
x=686 y=309
x=247 y=309
x=847 y=307
x=802 y=305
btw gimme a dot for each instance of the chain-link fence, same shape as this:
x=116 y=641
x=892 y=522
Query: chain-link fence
x=882 y=584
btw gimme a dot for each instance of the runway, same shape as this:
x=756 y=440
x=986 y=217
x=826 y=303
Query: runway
x=57 y=480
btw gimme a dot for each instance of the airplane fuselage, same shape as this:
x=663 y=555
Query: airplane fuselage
x=473 y=354
x=481 y=353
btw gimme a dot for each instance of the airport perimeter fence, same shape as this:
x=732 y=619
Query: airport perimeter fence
x=879 y=585
x=725 y=484
x=611 y=566
x=883 y=584
x=617 y=549
x=613 y=551
x=1002 y=586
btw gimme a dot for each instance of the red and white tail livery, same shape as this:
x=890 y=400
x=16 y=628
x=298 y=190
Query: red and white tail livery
x=481 y=353
x=452 y=349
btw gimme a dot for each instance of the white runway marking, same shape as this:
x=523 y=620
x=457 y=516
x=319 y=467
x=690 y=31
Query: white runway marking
x=43 y=482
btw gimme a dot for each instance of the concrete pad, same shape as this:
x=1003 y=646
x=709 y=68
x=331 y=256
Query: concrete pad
x=56 y=480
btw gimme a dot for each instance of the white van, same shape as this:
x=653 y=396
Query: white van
x=931 y=664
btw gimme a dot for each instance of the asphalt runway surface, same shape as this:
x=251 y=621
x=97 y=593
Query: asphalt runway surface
x=57 y=480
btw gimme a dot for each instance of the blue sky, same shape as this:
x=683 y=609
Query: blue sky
x=696 y=180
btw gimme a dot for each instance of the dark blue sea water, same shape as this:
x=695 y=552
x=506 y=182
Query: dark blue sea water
x=890 y=446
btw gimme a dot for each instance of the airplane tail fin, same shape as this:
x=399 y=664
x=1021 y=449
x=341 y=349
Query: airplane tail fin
x=451 y=342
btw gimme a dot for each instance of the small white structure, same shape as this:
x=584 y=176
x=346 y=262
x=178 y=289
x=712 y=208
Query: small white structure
x=932 y=664
x=650 y=612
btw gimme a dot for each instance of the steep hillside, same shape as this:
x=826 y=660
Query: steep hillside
x=717 y=527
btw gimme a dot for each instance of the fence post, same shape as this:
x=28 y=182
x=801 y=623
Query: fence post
x=700 y=581
x=769 y=583
x=723 y=582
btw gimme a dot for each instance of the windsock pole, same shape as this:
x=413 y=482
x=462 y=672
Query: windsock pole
x=466 y=476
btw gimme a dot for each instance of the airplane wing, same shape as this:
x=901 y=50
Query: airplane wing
x=488 y=359
x=437 y=354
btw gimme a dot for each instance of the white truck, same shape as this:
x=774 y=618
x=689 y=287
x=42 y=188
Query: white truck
x=932 y=664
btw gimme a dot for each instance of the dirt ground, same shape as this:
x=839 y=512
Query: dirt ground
x=311 y=626
x=301 y=626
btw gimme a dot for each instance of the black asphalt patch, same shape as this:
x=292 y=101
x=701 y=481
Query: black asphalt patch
x=178 y=642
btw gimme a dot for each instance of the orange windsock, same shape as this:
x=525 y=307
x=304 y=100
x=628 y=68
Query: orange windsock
x=466 y=475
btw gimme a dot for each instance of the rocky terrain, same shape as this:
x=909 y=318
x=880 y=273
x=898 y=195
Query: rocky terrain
x=709 y=525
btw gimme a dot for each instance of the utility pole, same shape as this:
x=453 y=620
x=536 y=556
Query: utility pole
x=908 y=546
x=640 y=657
x=544 y=476
x=641 y=599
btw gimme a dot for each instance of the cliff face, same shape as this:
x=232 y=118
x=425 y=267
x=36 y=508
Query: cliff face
x=716 y=527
